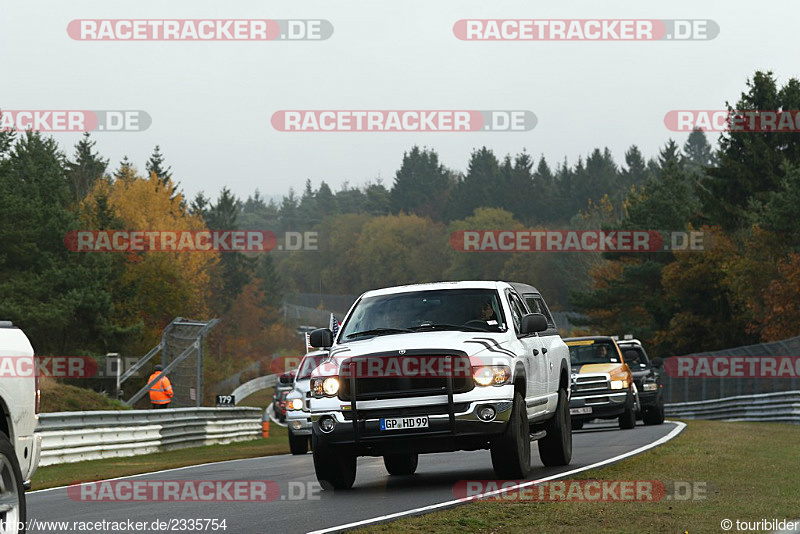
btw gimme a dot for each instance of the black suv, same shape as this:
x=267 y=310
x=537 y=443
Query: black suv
x=647 y=378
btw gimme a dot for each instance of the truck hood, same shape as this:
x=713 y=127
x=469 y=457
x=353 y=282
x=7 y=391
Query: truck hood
x=596 y=368
x=481 y=347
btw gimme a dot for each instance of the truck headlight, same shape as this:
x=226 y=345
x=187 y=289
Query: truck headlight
x=325 y=387
x=294 y=404
x=330 y=386
x=491 y=375
x=619 y=384
x=649 y=386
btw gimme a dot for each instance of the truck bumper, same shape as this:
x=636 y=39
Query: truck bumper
x=602 y=406
x=33 y=444
x=299 y=423
x=463 y=431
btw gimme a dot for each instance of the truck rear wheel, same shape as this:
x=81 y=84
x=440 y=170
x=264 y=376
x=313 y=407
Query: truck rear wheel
x=511 y=452
x=335 y=467
x=298 y=444
x=12 y=493
x=556 y=447
x=401 y=464
x=654 y=415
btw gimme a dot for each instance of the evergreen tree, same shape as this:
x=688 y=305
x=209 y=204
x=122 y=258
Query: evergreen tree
x=421 y=184
x=87 y=168
x=156 y=165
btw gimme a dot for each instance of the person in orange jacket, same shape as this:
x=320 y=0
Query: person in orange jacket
x=161 y=391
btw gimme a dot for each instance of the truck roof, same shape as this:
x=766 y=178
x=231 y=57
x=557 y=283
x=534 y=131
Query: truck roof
x=474 y=284
x=523 y=288
x=14 y=342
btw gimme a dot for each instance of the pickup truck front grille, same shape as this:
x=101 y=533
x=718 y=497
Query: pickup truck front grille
x=398 y=387
x=590 y=384
x=403 y=387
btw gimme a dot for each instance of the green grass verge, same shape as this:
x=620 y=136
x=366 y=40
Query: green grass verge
x=58 y=397
x=65 y=474
x=750 y=470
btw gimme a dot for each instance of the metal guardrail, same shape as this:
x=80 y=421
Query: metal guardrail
x=256 y=384
x=782 y=407
x=77 y=436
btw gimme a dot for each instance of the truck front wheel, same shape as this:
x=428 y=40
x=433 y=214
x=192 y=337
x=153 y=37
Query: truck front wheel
x=556 y=447
x=335 y=466
x=511 y=452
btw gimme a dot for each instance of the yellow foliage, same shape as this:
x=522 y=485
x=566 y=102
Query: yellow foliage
x=160 y=285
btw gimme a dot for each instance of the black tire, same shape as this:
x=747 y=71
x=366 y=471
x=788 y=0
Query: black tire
x=654 y=415
x=335 y=467
x=627 y=420
x=298 y=444
x=556 y=447
x=576 y=425
x=511 y=452
x=12 y=491
x=401 y=464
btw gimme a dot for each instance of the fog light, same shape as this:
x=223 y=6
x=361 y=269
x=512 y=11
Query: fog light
x=486 y=413
x=326 y=424
x=296 y=425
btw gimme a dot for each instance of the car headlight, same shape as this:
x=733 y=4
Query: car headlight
x=620 y=379
x=491 y=375
x=330 y=386
x=325 y=387
x=295 y=404
x=649 y=386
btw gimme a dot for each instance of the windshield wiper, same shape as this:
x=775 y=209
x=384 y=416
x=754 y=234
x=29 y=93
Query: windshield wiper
x=378 y=332
x=446 y=326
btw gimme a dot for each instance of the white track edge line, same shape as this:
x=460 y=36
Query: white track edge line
x=156 y=472
x=416 y=511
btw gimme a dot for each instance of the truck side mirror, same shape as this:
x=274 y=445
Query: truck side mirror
x=285 y=378
x=533 y=322
x=321 y=338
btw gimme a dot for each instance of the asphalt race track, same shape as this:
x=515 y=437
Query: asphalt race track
x=374 y=495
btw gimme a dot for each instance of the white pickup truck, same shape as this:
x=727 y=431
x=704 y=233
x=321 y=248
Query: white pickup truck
x=19 y=400
x=440 y=367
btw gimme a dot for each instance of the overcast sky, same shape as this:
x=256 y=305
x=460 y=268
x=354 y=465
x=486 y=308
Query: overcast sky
x=211 y=102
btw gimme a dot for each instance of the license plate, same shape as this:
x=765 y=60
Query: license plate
x=403 y=423
x=580 y=411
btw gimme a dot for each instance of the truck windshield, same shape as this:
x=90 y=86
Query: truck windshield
x=586 y=352
x=443 y=309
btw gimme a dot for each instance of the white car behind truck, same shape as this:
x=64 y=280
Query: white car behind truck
x=435 y=368
x=19 y=446
x=298 y=412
